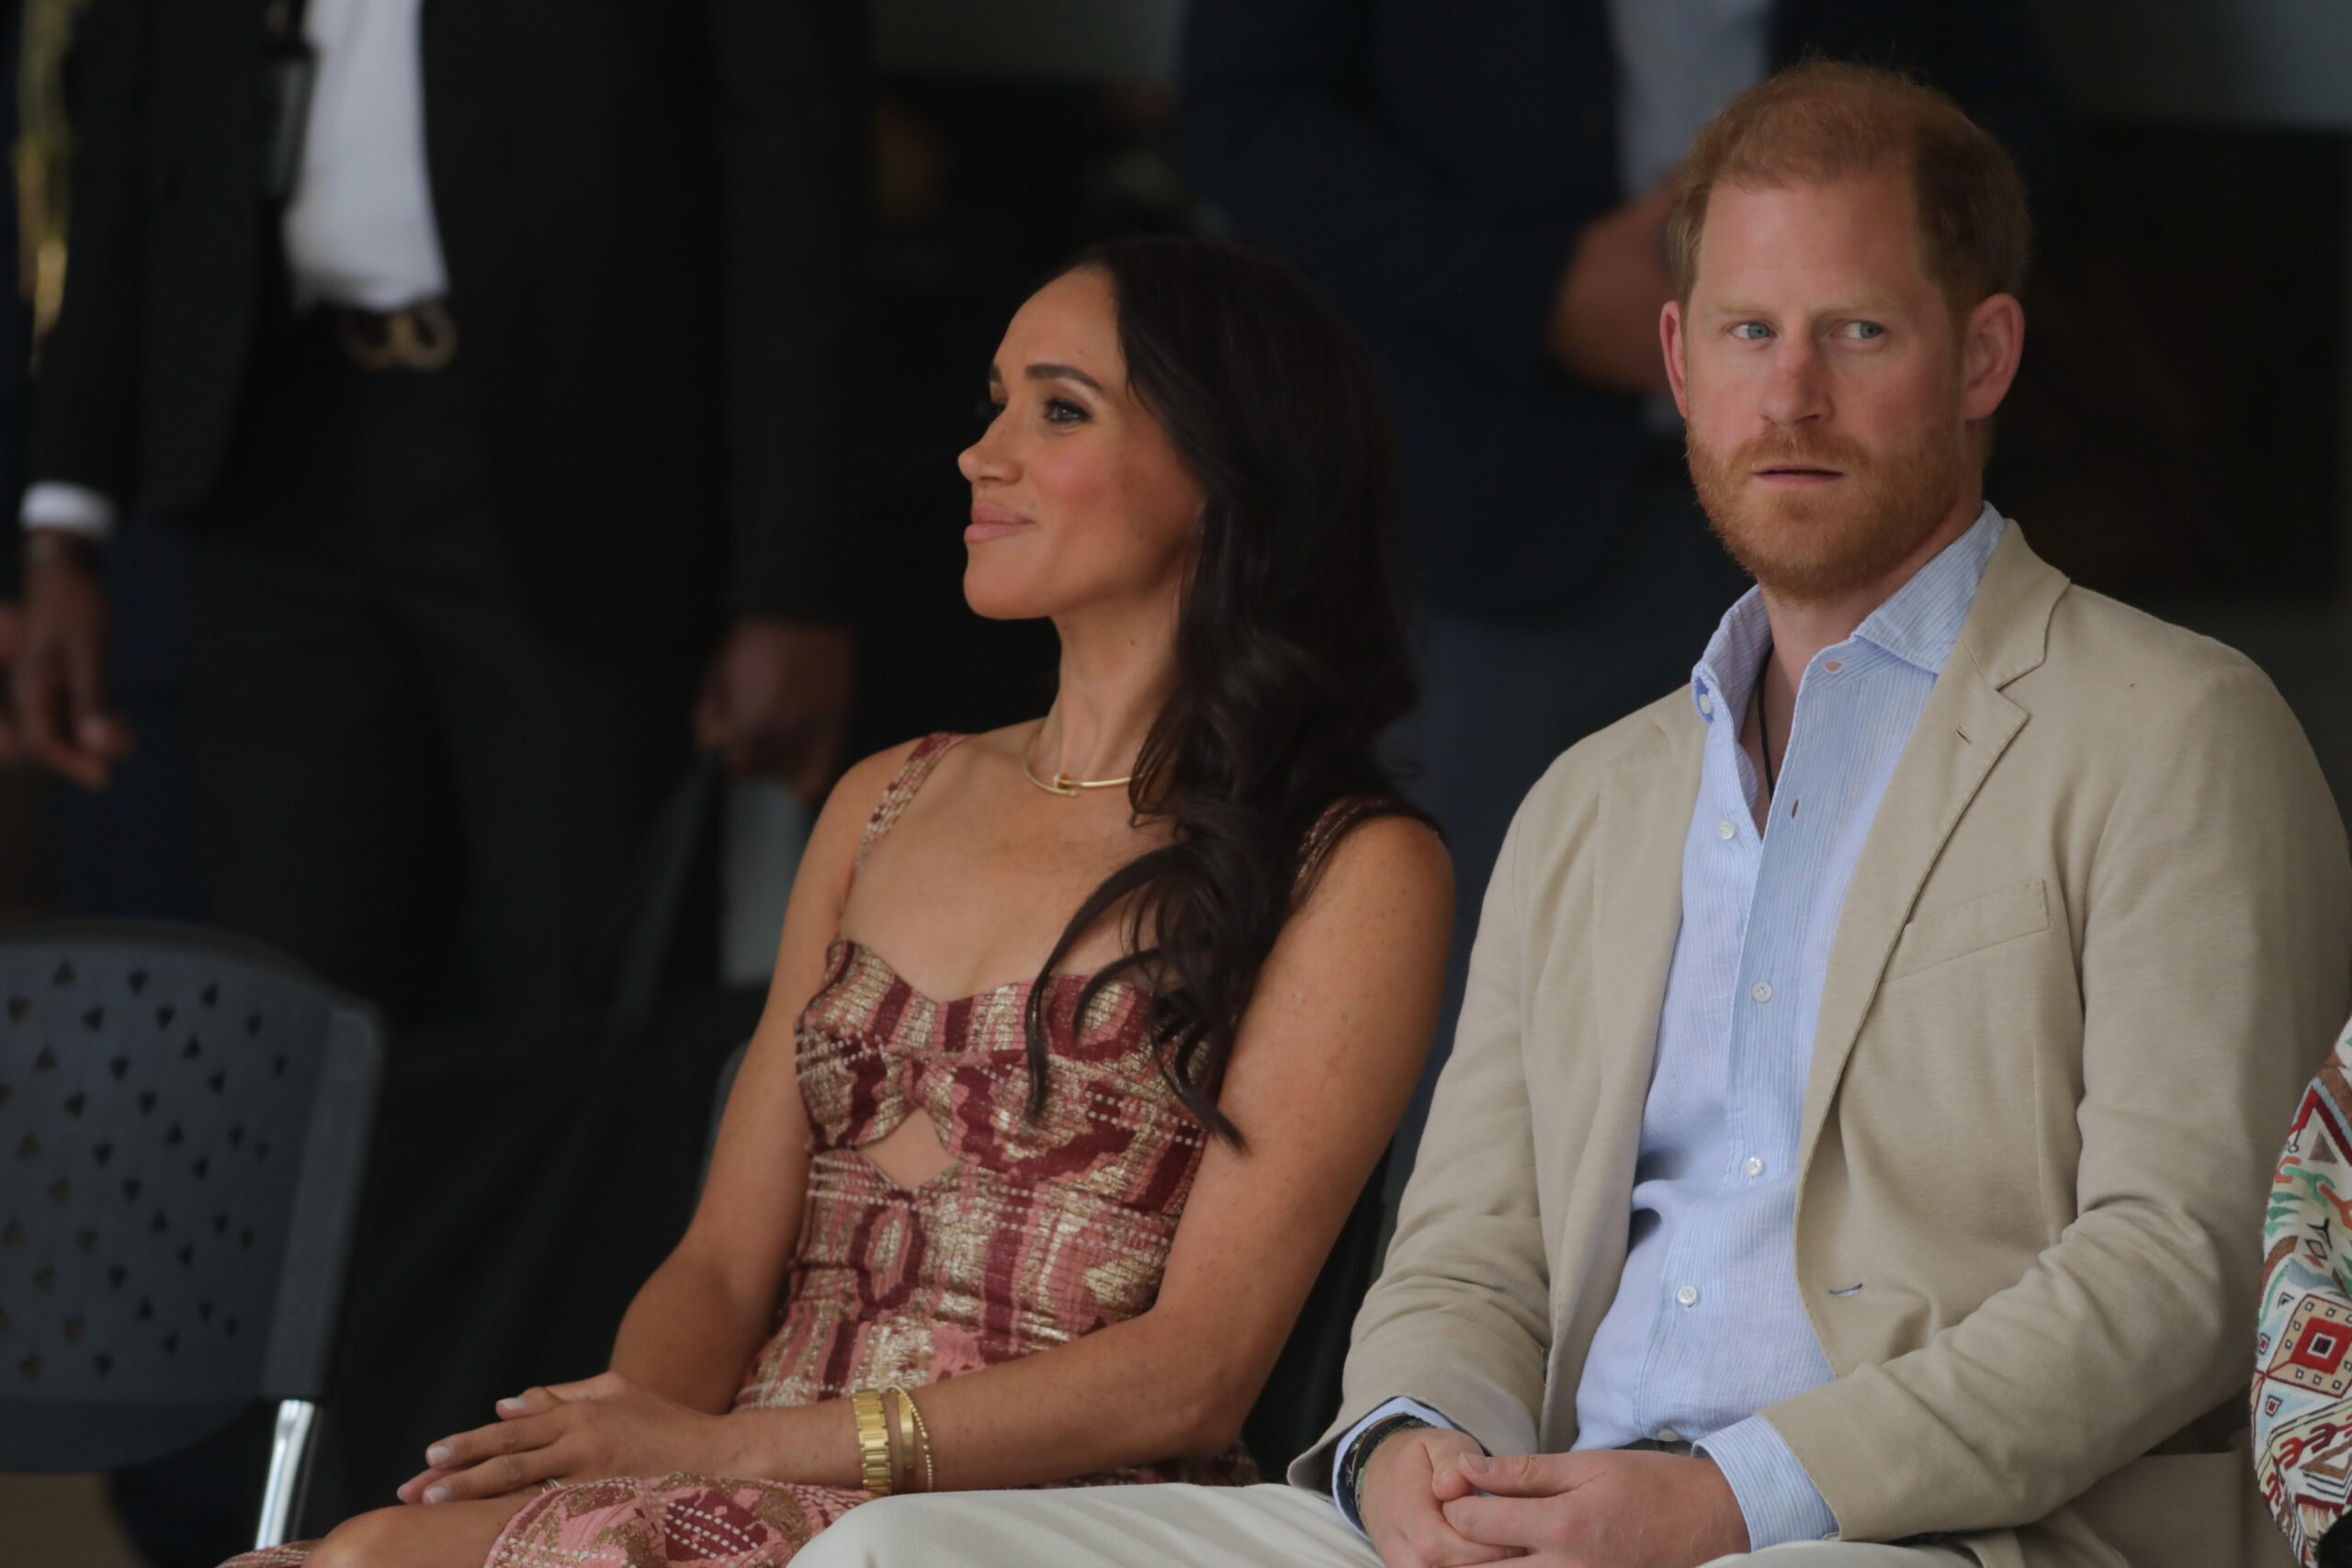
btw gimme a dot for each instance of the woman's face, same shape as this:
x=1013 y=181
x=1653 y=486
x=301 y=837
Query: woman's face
x=1079 y=499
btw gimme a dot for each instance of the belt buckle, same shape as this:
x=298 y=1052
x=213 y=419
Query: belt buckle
x=418 y=337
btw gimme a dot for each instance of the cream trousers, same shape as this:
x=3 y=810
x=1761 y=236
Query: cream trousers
x=1184 y=1527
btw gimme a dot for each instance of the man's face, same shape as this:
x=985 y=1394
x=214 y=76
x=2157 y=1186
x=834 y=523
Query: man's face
x=1827 y=385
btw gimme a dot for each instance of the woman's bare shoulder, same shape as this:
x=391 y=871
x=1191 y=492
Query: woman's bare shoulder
x=859 y=789
x=1389 y=852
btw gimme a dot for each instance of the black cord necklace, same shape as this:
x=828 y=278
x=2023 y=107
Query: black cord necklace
x=1763 y=725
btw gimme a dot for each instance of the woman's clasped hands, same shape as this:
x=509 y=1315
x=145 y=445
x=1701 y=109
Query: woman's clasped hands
x=605 y=1425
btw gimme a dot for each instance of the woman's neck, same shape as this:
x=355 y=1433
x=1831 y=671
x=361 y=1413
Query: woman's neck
x=1116 y=677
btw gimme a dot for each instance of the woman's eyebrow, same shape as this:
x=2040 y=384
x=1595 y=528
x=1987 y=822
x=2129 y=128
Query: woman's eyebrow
x=1061 y=373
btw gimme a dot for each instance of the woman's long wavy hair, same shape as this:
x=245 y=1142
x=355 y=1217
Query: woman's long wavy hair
x=1291 y=654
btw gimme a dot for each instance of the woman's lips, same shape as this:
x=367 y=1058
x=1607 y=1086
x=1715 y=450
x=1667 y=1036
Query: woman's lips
x=992 y=522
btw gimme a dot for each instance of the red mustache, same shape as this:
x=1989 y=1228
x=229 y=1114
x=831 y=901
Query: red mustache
x=1797 y=449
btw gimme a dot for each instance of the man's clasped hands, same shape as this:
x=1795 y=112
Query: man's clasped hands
x=1432 y=1499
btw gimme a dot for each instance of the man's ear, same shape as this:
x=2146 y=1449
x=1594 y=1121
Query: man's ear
x=1670 y=341
x=1992 y=343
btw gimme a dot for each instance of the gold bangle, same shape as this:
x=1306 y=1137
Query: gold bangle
x=902 y=1441
x=873 y=1440
x=907 y=1407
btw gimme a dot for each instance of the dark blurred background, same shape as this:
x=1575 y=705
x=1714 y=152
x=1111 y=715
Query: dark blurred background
x=2181 y=435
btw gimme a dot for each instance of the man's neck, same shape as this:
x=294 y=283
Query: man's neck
x=1803 y=627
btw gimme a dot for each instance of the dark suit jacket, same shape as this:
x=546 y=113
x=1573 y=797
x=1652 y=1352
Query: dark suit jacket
x=1430 y=165
x=653 y=213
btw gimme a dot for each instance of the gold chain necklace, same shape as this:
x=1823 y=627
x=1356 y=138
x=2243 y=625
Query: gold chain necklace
x=1062 y=784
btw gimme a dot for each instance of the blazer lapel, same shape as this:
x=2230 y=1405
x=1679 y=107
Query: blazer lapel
x=1643 y=819
x=1961 y=733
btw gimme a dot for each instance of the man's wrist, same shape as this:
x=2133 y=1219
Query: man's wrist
x=1360 y=1453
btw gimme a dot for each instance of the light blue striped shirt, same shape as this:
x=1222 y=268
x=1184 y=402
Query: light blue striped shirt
x=1707 y=1328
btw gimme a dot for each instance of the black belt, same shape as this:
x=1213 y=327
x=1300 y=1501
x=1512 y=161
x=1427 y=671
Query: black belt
x=422 y=336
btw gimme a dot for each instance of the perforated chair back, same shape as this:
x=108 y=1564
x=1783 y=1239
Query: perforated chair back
x=184 y=1121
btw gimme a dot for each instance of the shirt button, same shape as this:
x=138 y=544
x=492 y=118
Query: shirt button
x=1754 y=1167
x=1706 y=704
x=1724 y=829
x=1687 y=1295
x=1761 y=990
x=1669 y=1434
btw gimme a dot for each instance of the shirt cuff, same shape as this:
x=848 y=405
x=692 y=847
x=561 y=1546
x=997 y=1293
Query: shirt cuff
x=68 y=508
x=1776 y=1496
x=1400 y=1405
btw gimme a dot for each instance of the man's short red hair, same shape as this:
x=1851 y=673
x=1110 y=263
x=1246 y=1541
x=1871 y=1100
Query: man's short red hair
x=1825 y=120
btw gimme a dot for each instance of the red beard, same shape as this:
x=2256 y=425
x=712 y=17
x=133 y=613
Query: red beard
x=1810 y=546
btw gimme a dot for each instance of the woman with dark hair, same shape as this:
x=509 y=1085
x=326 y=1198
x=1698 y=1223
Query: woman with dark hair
x=1055 y=1230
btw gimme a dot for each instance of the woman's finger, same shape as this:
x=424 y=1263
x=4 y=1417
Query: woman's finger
x=413 y=1489
x=530 y=1401
x=495 y=1477
x=510 y=1436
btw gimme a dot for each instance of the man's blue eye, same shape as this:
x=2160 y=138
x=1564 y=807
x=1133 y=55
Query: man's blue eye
x=1751 y=332
x=1866 y=328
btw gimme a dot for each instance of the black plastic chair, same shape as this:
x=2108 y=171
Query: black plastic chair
x=1302 y=1394
x=184 y=1125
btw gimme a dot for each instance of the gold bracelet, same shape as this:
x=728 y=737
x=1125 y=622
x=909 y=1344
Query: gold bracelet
x=873 y=1440
x=902 y=1441
x=908 y=1405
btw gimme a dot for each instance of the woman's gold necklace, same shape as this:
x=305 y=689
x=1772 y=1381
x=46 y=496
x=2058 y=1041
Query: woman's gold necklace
x=1062 y=784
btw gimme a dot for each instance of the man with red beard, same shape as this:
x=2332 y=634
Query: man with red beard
x=1854 y=1147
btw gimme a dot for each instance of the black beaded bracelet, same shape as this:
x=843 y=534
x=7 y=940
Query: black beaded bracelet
x=1360 y=1454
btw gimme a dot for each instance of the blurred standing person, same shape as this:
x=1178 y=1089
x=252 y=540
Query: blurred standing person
x=1485 y=190
x=499 y=368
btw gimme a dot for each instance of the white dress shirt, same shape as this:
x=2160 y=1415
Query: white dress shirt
x=1707 y=1327
x=360 y=228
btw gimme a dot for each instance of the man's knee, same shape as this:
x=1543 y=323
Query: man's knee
x=1846 y=1554
x=887 y=1531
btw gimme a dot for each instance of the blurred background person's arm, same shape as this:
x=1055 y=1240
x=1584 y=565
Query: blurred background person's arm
x=793 y=125
x=83 y=434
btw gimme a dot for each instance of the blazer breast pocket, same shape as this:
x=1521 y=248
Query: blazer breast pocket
x=1939 y=936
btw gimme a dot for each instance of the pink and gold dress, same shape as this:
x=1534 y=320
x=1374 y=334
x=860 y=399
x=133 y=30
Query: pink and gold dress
x=1035 y=1233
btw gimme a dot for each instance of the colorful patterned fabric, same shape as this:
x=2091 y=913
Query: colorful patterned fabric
x=1033 y=1234
x=2302 y=1418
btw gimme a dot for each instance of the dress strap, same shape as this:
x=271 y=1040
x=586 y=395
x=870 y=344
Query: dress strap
x=901 y=789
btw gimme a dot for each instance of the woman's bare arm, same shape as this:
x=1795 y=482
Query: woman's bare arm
x=694 y=1325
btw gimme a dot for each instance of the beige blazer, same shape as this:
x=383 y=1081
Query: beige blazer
x=2098 y=938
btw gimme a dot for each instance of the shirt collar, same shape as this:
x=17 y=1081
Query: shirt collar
x=1918 y=624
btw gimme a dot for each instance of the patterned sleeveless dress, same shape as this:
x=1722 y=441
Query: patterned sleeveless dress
x=1033 y=1235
